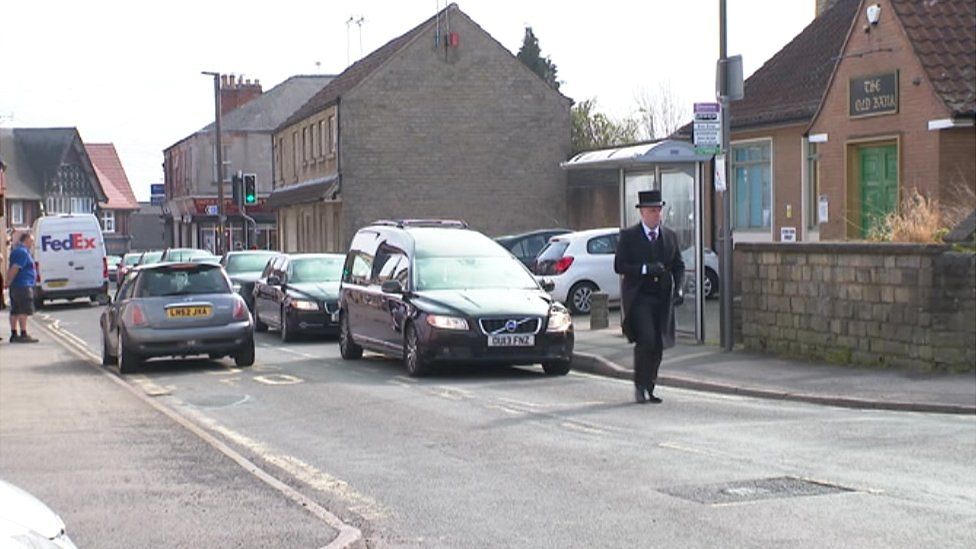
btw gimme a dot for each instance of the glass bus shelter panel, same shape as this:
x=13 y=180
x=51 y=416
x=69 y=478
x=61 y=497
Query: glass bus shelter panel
x=634 y=183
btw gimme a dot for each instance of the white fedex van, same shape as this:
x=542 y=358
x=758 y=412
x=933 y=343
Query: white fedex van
x=70 y=258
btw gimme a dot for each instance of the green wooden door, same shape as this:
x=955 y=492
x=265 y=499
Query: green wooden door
x=879 y=185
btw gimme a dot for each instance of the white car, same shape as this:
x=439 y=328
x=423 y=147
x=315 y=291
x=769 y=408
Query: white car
x=579 y=264
x=710 y=286
x=26 y=522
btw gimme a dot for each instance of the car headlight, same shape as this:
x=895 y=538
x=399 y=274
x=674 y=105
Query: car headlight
x=447 y=322
x=559 y=319
x=304 y=305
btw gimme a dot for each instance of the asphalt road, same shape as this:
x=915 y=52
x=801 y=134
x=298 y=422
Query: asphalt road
x=479 y=457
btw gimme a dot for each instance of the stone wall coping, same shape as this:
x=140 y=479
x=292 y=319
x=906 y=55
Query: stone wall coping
x=845 y=248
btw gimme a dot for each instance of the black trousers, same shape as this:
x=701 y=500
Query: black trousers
x=649 y=313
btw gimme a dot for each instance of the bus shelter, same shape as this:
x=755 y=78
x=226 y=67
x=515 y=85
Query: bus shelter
x=679 y=173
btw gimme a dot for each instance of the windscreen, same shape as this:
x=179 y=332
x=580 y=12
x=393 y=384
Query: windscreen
x=183 y=280
x=459 y=273
x=247 y=263
x=151 y=257
x=316 y=269
x=130 y=259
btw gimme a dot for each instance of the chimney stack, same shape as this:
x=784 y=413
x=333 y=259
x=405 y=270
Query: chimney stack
x=236 y=91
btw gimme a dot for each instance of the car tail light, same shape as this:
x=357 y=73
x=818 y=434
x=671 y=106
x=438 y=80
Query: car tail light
x=240 y=310
x=136 y=316
x=104 y=267
x=562 y=265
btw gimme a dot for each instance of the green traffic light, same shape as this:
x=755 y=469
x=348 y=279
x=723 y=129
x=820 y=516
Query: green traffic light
x=250 y=199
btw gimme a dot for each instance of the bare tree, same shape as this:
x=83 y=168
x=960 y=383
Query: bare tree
x=660 y=114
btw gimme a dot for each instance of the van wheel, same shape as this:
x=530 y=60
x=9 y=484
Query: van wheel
x=579 y=297
x=245 y=358
x=127 y=360
x=347 y=348
x=412 y=357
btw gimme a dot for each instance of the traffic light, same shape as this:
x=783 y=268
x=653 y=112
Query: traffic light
x=235 y=184
x=250 y=189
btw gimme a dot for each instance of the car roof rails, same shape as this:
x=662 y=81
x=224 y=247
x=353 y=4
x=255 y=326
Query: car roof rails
x=404 y=223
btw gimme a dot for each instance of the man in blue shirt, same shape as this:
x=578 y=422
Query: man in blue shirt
x=20 y=278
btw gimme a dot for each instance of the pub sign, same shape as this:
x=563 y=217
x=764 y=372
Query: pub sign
x=874 y=95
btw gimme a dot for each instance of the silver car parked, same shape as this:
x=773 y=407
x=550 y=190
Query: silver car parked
x=176 y=309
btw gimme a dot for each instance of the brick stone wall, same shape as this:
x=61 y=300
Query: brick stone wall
x=903 y=305
x=467 y=133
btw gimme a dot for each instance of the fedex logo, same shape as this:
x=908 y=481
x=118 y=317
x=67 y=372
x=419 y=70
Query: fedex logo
x=75 y=241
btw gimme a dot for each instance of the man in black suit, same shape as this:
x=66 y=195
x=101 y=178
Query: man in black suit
x=649 y=258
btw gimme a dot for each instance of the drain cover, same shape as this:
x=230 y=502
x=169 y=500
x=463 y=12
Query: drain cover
x=752 y=490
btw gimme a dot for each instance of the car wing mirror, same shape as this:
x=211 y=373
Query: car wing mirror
x=547 y=284
x=392 y=287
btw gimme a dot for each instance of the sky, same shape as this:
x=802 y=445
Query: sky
x=129 y=73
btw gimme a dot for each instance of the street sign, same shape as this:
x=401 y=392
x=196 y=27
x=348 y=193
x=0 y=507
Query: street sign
x=157 y=199
x=708 y=128
x=211 y=209
x=157 y=194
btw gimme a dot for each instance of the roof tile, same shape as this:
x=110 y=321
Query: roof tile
x=112 y=176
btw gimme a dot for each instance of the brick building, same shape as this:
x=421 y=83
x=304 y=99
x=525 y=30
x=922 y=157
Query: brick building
x=442 y=121
x=898 y=114
x=113 y=213
x=248 y=117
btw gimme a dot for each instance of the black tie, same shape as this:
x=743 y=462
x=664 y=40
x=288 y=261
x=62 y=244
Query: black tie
x=652 y=235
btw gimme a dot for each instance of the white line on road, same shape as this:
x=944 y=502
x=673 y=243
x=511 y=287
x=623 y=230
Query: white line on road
x=278 y=379
x=293 y=352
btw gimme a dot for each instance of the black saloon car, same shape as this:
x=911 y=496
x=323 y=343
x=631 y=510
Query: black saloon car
x=244 y=268
x=432 y=291
x=526 y=246
x=298 y=293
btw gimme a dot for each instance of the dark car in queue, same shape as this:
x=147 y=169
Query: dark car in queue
x=244 y=268
x=435 y=291
x=526 y=246
x=177 y=310
x=298 y=293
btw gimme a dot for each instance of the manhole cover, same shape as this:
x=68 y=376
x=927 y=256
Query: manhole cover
x=752 y=490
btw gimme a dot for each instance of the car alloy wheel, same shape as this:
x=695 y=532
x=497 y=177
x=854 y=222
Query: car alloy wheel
x=347 y=348
x=412 y=358
x=579 y=297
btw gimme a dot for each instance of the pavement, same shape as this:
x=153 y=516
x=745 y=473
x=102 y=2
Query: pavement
x=707 y=367
x=109 y=459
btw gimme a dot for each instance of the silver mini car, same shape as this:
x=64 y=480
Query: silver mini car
x=176 y=309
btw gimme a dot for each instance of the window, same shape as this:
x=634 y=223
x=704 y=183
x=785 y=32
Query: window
x=311 y=142
x=321 y=151
x=17 y=213
x=333 y=135
x=304 y=146
x=602 y=245
x=225 y=160
x=813 y=185
x=108 y=221
x=294 y=154
x=752 y=185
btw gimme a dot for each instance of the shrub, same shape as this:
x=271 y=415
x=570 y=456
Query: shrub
x=921 y=219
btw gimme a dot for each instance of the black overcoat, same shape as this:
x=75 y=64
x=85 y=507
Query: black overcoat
x=634 y=250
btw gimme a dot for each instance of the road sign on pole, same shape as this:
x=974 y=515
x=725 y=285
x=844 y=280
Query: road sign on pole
x=708 y=128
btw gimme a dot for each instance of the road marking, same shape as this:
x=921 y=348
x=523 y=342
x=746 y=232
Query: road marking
x=405 y=378
x=151 y=388
x=278 y=379
x=451 y=393
x=505 y=409
x=348 y=535
x=583 y=428
x=319 y=480
x=689 y=449
x=520 y=402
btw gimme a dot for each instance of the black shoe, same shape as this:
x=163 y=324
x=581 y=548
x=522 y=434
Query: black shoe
x=639 y=394
x=653 y=399
x=24 y=338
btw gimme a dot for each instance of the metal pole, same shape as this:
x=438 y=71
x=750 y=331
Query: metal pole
x=726 y=267
x=221 y=218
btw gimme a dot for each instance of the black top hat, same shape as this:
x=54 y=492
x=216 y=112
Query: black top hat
x=646 y=199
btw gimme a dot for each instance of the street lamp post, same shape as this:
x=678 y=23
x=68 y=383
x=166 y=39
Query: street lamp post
x=726 y=230
x=221 y=218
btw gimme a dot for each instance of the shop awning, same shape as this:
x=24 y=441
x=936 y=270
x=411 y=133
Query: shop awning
x=315 y=190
